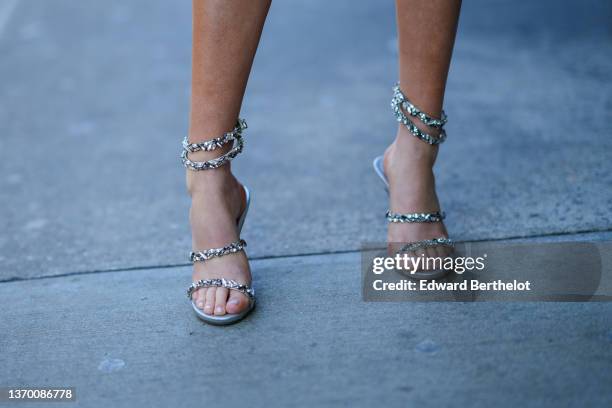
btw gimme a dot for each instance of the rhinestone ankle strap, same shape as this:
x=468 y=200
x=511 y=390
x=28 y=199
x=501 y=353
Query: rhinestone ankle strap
x=235 y=135
x=399 y=103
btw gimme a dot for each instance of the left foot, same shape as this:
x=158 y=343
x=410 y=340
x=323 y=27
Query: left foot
x=408 y=165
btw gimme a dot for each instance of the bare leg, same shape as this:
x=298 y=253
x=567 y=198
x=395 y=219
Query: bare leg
x=426 y=31
x=225 y=38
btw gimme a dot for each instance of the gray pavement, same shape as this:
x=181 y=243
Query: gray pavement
x=93 y=227
x=124 y=339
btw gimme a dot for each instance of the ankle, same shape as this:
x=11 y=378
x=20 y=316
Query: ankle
x=408 y=148
x=213 y=180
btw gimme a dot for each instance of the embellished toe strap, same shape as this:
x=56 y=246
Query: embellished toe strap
x=428 y=243
x=221 y=283
x=205 y=255
x=437 y=216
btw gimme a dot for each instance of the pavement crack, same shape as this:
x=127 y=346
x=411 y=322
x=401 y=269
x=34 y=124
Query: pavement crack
x=577 y=234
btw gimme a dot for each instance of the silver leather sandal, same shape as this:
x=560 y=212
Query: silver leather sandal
x=235 y=137
x=400 y=104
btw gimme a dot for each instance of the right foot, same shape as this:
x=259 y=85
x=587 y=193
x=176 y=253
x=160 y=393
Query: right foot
x=217 y=202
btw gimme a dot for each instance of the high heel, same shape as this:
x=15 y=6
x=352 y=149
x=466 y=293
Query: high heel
x=204 y=255
x=399 y=104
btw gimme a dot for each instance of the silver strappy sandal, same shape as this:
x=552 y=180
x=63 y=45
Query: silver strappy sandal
x=400 y=103
x=235 y=137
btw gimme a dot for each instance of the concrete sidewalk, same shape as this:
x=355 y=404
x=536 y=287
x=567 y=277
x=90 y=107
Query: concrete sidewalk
x=129 y=339
x=93 y=225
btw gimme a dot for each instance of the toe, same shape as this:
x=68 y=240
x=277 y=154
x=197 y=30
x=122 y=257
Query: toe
x=442 y=252
x=198 y=298
x=209 y=302
x=237 y=302
x=421 y=258
x=412 y=262
x=432 y=256
x=220 y=300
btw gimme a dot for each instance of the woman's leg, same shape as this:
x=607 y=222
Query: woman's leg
x=225 y=38
x=426 y=31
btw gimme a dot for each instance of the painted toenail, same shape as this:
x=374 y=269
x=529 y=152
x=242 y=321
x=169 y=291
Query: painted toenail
x=218 y=309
